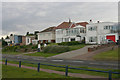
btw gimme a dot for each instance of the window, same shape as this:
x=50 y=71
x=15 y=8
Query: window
x=28 y=40
x=82 y=30
x=72 y=39
x=66 y=39
x=108 y=27
x=49 y=34
x=92 y=39
x=92 y=28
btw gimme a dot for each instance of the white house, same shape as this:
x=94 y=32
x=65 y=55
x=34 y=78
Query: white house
x=69 y=31
x=34 y=42
x=47 y=35
x=29 y=39
x=98 y=33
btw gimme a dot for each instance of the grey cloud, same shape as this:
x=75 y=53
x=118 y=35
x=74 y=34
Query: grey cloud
x=21 y=17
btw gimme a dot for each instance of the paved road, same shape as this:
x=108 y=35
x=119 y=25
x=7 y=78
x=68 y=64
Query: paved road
x=74 y=53
x=96 y=64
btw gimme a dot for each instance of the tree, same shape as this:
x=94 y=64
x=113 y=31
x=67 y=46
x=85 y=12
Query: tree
x=7 y=37
x=27 y=33
x=2 y=38
x=4 y=43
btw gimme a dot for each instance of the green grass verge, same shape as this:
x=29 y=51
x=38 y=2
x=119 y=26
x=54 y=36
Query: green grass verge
x=15 y=72
x=75 y=47
x=41 y=54
x=12 y=53
x=75 y=71
x=108 y=55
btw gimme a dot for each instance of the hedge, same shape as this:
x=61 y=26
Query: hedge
x=55 y=49
x=69 y=43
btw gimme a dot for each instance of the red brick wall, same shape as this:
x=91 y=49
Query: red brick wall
x=23 y=40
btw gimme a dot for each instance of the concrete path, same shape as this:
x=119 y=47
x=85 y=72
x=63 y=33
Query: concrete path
x=70 y=54
x=58 y=72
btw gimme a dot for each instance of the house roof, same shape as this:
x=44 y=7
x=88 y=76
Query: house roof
x=48 y=29
x=70 y=25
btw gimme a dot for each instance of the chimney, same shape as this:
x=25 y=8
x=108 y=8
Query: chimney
x=69 y=20
x=98 y=21
x=90 y=20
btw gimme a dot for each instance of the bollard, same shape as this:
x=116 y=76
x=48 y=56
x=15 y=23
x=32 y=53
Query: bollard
x=38 y=67
x=66 y=71
x=19 y=64
x=6 y=62
x=110 y=75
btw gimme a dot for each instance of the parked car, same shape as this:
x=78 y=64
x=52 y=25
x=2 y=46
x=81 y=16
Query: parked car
x=109 y=41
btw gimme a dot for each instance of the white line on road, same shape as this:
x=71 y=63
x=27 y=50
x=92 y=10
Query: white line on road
x=56 y=60
x=93 y=63
x=78 y=61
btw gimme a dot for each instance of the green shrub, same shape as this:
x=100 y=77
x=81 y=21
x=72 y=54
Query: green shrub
x=69 y=43
x=55 y=49
x=10 y=49
x=30 y=44
x=34 y=47
x=26 y=50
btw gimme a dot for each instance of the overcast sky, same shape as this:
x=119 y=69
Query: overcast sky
x=22 y=17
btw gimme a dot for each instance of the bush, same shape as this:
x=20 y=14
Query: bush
x=10 y=49
x=55 y=49
x=69 y=43
x=34 y=46
x=30 y=44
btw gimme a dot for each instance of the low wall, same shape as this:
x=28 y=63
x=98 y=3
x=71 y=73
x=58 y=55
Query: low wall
x=90 y=49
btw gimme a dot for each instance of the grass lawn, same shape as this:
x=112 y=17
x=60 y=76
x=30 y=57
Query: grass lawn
x=75 y=71
x=41 y=54
x=75 y=47
x=13 y=53
x=108 y=55
x=9 y=71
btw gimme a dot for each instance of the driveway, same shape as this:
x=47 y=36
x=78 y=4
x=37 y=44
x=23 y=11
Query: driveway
x=74 y=53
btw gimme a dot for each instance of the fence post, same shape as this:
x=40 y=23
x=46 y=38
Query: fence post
x=6 y=62
x=110 y=75
x=38 y=67
x=66 y=71
x=19 y=64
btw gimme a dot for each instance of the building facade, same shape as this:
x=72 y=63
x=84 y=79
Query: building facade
x=29 y=39
x=69 y=31
x=47 y=35
x=98 y=33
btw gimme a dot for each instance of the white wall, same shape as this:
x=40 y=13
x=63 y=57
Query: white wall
x=62 y=36
x=100 y=32
x=28 y=40
x=46 y=36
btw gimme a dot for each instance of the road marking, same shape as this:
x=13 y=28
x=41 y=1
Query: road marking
x=56 y=60
x=18 y=57
x=37 y=59
x=78 y=61
x=93 y=63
